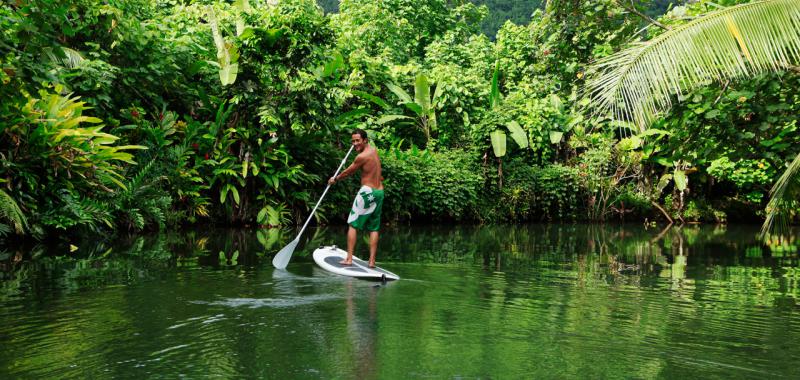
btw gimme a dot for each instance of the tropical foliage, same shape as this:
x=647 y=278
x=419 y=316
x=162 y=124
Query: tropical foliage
x=136 y=115
x=639 y=83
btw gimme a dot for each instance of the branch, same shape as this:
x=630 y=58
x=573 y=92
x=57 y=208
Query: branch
x=649 y=19
x=662 y=211
x=794 y=68
x=725 y=87
x=661 y=235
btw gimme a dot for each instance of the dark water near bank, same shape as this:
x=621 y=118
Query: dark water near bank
x=473 y=302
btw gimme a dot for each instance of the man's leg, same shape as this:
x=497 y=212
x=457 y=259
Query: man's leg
x=373 y=247
x=352 y=234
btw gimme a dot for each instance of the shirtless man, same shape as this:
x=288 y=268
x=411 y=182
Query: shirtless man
x=366 y=211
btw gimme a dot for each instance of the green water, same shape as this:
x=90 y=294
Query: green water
x=473 y=302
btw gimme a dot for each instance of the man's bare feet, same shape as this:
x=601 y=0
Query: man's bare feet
x=345 y=262
x=372 y=265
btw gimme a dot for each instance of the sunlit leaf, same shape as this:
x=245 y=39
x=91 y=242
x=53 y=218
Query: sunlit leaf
x=681 y=181
x=400 y=93
x=556 y=136
x=422 y=92
x=388 y=118
x=498 y=143
x=518 y=134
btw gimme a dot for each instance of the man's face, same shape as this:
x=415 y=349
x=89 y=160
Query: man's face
x=358 y=142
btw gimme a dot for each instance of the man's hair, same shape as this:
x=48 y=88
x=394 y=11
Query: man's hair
x=361 y=133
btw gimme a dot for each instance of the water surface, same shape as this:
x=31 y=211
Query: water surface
x=473 y=302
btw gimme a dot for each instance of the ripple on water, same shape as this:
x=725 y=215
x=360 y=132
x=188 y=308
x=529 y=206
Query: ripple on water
x=254 y=303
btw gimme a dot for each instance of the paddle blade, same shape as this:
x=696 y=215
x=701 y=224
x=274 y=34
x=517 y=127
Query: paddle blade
x=281 y=260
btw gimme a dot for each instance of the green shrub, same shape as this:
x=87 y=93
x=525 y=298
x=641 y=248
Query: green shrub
x=431 y=186
x=535 y=193
x=701 y=211
x=632 y=204
x=557 y=193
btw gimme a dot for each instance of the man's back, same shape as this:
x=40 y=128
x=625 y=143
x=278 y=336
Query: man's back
x=371 y=169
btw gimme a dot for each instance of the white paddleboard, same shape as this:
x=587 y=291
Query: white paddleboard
x=328 y=258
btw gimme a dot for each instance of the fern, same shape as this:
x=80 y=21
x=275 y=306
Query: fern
x=142 y=200
x=137 y=186
x=136 y=219
x=11 y=213
x=5 y=229
x=78 y=212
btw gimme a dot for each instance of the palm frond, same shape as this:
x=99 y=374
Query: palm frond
x=638 y=83
x=783 y=203
x=64 y=56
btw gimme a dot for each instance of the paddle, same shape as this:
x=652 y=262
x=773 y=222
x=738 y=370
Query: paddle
x=284 y=255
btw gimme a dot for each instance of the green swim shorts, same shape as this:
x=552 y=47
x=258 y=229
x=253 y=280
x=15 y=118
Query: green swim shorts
x=366 y=211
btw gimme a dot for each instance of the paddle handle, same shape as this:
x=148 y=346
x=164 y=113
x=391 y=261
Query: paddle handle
x=325 y=192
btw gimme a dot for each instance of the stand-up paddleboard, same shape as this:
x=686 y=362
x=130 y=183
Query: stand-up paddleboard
x=328 y=258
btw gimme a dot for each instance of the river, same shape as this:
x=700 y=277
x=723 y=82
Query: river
x=532 y=301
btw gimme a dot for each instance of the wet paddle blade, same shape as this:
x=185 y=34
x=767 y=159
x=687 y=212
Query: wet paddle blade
x=281 y=260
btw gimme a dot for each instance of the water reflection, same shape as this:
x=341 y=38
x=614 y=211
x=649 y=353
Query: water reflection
x=610 y=253
x=362 y=329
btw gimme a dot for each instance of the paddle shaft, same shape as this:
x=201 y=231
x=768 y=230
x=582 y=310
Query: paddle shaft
x=324 y=192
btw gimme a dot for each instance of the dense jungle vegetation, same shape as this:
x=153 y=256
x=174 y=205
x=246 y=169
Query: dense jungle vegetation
x=520 y=11
x=149 y=114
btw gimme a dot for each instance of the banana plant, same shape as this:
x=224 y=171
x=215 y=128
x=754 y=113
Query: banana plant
x=227 y=53
x=423 y=105
x=498 y=136
x=494 y=122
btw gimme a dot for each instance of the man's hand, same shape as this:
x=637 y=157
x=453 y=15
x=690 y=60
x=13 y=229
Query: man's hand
x=332 y=180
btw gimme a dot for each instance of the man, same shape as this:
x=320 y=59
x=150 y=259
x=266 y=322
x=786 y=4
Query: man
x=366 y=211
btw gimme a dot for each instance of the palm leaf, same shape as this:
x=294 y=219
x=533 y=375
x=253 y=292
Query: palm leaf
x=64 y=56
x=350 y=115
x=783 y=203
x=638 y=83
x=388 y=118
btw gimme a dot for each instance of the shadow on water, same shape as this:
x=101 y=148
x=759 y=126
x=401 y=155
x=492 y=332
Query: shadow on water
x=475 y=301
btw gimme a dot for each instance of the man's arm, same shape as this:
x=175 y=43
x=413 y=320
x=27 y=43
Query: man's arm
x=357 y=164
